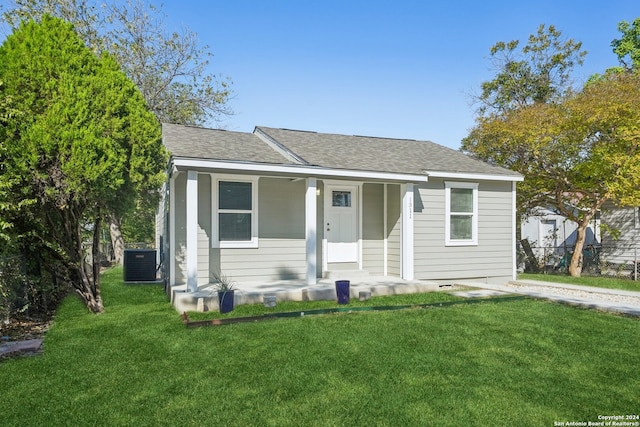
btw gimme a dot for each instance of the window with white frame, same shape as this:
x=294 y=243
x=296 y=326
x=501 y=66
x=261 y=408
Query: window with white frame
x=235 y=213
x=636 y=217
x=461 y=222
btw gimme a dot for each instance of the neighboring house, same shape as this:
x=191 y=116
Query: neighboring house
x=624 y=221
x=283 y=204
x=550 y=234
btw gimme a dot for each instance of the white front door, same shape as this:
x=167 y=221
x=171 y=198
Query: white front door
x=341 y=223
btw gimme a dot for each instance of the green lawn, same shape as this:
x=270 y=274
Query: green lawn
x=523 y=362
x=600 y=282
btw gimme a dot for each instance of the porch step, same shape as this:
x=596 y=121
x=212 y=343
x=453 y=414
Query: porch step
x=346 y=274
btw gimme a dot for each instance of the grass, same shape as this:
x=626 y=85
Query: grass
x=599 y=282
x=523 y=362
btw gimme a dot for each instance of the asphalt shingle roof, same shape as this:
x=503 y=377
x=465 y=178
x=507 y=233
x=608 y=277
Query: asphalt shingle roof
x=214 y=144
x=331 y=151
x=378 y=154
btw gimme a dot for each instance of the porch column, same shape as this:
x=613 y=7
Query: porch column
x=385 y=233
x=406 y=239
x=192 y=231
x=172 y=229
x=514 y=239
x=311 y=230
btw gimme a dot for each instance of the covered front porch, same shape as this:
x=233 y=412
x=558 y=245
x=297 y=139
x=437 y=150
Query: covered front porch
x=274 y=228
x=254 y=292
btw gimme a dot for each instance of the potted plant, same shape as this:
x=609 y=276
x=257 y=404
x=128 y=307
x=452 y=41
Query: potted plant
x=224 y=285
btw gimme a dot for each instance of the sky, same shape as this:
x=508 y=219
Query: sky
x=397 y=68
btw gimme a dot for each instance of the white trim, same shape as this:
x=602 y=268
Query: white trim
x=296 y=170
x=215 y=238
x=337 y=173
x=473 y=176
x=359 y=214
x=278 y=147
x=385 y=240
x=192 y=231
x=514 y=273
x=406 y=238
x=311 y=230
x=447 y=225
x=172 y=229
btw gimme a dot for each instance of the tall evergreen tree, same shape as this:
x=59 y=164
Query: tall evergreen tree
x=169 y=68
x=84 y=144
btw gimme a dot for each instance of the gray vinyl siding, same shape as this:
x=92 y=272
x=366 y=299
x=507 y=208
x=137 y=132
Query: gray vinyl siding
x=281 y=208
x=626 y=247
x=204 y=227
x=274 y=259
x=281 y=251
x=394 y=229
x=180 y=218
x=204 y=264
x=373 y=228
x=490 y=258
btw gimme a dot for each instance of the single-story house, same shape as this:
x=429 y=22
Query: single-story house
x=550 y=234
x=281 y=204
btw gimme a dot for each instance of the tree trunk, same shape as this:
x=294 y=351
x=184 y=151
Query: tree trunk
x=89 y=293
x=575 y=267
x=87 y=284
x=95 y=253
x=117 y=240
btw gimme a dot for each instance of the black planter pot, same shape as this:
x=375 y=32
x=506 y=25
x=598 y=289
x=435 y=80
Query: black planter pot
x=226 y=300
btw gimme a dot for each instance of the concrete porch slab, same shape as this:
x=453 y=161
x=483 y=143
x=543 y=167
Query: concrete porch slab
x=206 y=299
x=478 y=293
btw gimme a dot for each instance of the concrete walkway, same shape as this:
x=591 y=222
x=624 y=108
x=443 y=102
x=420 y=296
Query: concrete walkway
x=613 y=300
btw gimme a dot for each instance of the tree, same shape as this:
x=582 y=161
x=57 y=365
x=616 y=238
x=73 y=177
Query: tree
x=520 y=120
x=539 y=73
x=85 y=141
x=7 y=113
x=575 y=155
x=169 y=70
x=627 y=48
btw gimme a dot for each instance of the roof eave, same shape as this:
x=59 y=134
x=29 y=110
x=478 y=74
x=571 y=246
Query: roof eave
x=474 y=176
x=182 y=163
